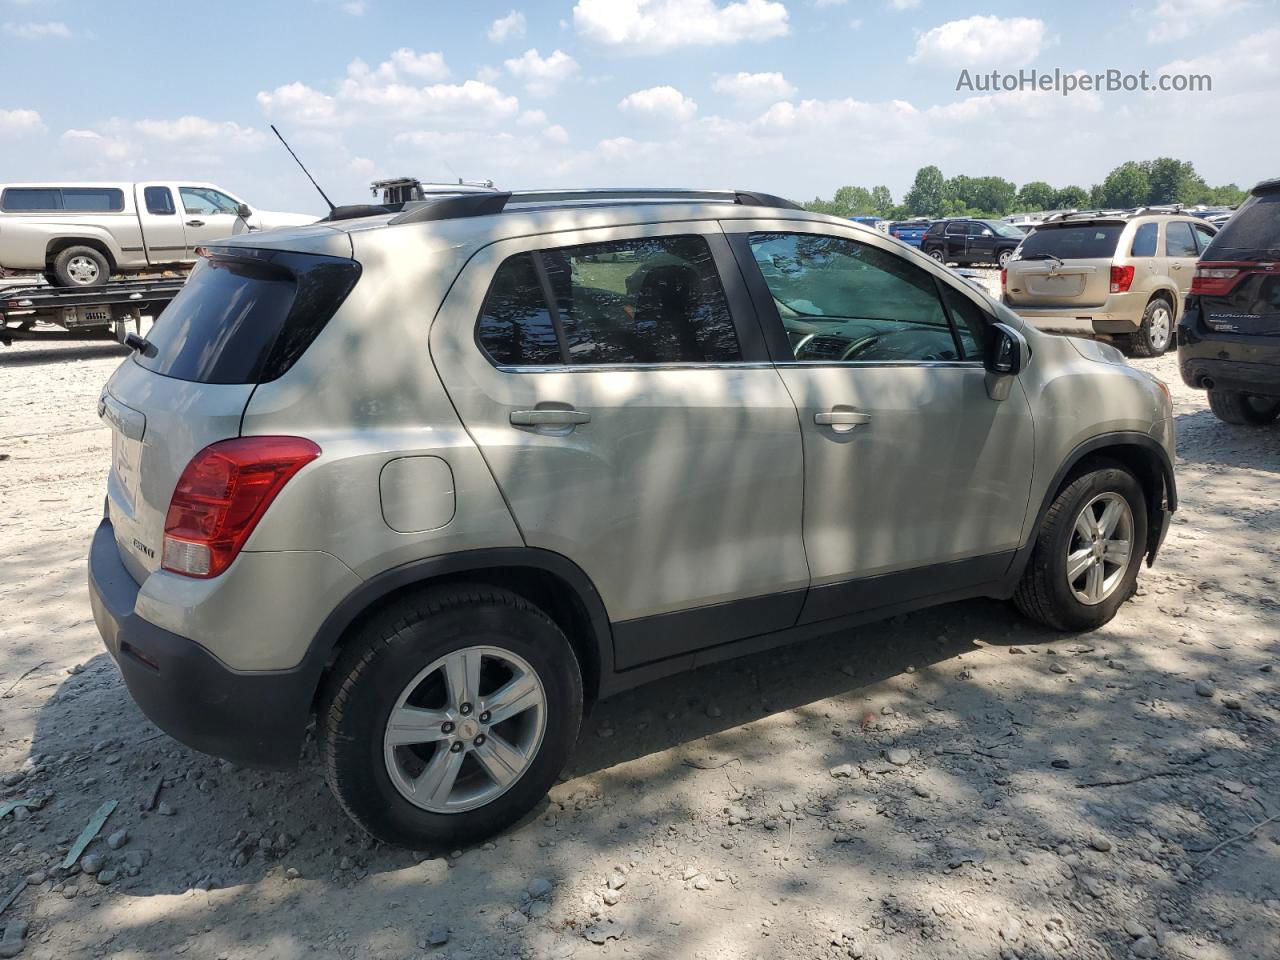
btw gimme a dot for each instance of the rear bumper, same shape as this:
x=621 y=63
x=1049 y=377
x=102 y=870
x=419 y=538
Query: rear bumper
x=1232 y=362
x=1087 y=322
x=252 y=718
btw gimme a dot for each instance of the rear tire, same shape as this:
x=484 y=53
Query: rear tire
x=1243 y=408
x=400 y=664
x=1048 y=593
x=1155 y=333
x=936 y=254
x=80 y=267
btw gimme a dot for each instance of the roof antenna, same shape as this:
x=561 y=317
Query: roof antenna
x=304 y=169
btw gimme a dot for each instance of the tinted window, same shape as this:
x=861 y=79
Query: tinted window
x=247 y=321
x=1178 y=240
x=970 y=321
x=846 y=301
x=31 y=198
x=515 y=325
x=159 y=200
x=92 y=199
x=976 y=229
x=1076 y=242
x=1144 y=240
x=956 y=229
x=935 y=229
x=655 y=300
x=1252 y=233
x=1204 y=235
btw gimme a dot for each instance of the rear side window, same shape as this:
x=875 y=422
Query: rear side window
x=247 y=320
x=159 y=201
x=1252 y=233
x=1144 y=241
x=655 y=300
x=1093 y=241
x=1179 y=241
x=1204 y=235
x=92 y=199
x=17 y=199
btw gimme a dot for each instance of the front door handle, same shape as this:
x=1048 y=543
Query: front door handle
x=548 y=418
x=195 y=223
x=841 y=418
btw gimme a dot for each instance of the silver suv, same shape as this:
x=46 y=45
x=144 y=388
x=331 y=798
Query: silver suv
x=440 y=477
x=1121 y=276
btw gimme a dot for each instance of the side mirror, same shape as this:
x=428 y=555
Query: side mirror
x=243 y=211
x=986 y=233
x=1006 y=351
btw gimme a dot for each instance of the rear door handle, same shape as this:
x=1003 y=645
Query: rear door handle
x=195 y=223
x=841 y=418
x=548 y=418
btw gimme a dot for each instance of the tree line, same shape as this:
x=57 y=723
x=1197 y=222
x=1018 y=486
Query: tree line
x=1132 y=184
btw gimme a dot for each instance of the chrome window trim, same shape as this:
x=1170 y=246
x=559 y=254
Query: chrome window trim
x=749 y=365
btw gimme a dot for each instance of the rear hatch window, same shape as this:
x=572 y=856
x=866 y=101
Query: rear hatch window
x=1252 y=233
x=245 y=316
x=1086 y=241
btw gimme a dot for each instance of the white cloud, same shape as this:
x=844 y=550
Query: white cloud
x=979 y=42
x=198 y=130
x=299 y=103
x=403 y=64
x=665 y=102
x=542 y=76
x=1178 y=19
x=829 y=3
x=754 y=87
x=38 y=31
x=904 y=4
x=355 y=8
x=652 y=26
x=20 y=123
x=510 y=27
x=488 y=74
x=532 y=118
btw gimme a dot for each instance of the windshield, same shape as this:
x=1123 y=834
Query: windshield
x=1089 y=241
x=1252 y=234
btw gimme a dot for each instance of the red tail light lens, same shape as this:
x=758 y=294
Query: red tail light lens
x=221 y=496
x=1216 y=281
x=1121 y=279
x=1004 y=279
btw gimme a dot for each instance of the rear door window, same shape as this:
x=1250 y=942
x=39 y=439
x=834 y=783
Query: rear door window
x=159 y=201
x=18 y=199
x=1252 y=233
x=1093 y=241
x=645 y=301
x=1204 y=235
x=247 y=320
x=1144 y=240
x=1179 y=240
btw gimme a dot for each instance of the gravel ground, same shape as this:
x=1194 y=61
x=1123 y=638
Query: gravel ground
x=954 y=783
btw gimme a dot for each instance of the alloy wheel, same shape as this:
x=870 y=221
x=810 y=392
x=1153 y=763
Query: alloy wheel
x=1100 y=547
x=82 y=270
x=1160 y=328
x=465 y=729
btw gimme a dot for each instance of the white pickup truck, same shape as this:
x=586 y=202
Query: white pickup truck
x=81 y=234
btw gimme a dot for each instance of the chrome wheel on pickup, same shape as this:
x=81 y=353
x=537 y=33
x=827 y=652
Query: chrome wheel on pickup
x=80 y=267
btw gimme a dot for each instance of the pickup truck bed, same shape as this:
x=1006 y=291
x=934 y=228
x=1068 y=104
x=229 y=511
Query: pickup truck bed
x=82 y=313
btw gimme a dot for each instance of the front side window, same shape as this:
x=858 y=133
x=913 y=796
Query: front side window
x=646 y=301
x=1178 y=240
x=206 y=202
x=1144 y=241
x=1204 y=235
x=159 y=201
x=844 y=301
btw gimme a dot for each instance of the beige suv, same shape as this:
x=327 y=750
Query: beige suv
x=1114 y=275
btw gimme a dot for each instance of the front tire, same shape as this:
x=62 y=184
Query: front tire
x=447 y=718
x=1086 y=558
x=80 y=267
x=1155 y=333
x=1003 y=258
x=1242 y=408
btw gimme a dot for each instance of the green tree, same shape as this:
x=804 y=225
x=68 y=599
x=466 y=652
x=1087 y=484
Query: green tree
x=1070 y=198
x=1174 y=181
x=928 y=194
x=1128 y=185
x=853 y=202
x=1036 y=195
x=881 y=200
x=993 y=195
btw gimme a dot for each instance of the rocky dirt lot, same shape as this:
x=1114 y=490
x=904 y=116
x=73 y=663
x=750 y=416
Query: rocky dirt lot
x=955 y=783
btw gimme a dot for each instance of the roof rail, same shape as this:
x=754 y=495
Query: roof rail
x=1086 y=214
x=483 y=204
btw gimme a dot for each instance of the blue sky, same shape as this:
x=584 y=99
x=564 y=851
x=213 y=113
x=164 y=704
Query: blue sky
x=789 y=96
